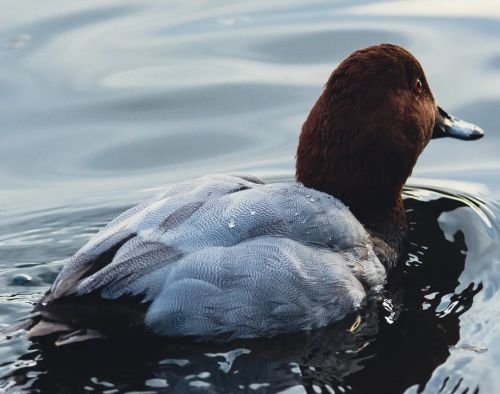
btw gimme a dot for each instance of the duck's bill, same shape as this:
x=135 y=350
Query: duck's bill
x=449 y=126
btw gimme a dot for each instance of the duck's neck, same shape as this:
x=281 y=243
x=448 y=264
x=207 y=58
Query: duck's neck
x=387 y=225
x=355 y=162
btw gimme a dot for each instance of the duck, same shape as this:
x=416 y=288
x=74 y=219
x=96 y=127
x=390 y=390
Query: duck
x=232 y=256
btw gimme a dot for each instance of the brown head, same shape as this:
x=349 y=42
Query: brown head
x=366 y=131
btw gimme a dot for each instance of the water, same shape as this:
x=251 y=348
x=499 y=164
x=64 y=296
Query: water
x=103 y=103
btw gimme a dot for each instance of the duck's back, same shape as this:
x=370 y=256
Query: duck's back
x=225 y=254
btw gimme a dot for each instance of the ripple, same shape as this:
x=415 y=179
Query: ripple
x=44 y=28
x=323 y=46
x=495 y=62
x=169 y=150
x=485 y=113
x=218 y=73
x=203 y=101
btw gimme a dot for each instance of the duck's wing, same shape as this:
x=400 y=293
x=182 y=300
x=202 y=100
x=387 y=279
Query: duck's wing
x=137 y=232
x=261 y=287
x=194 y=222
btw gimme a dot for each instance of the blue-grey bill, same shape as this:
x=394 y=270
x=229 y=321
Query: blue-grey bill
x=449 y=126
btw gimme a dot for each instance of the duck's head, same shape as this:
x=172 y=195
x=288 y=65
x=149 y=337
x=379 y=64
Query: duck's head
x=367 y=129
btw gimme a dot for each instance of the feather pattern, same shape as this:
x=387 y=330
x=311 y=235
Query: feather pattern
x=229 y=254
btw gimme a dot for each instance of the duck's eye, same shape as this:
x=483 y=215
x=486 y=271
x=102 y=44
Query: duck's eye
x=418 y=86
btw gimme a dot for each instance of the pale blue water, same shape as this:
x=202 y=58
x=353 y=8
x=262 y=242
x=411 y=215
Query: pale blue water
x=102 y=103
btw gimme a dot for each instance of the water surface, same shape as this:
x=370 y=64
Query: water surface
x=104 y=103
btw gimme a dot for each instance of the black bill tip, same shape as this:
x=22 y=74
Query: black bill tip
x=450 y=126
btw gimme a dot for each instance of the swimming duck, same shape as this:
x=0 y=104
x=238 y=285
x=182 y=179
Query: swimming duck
x=229 y=254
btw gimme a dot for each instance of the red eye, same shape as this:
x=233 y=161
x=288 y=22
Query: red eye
x=418 y=86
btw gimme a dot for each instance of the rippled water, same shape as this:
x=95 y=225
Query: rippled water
x=102 y=103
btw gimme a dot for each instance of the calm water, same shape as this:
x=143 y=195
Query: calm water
x=104 y=102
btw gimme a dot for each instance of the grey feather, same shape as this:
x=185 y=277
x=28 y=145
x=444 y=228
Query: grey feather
x=231 y=254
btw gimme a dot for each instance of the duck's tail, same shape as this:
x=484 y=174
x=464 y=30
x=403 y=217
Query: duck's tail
x=76 y=319
x=39 y=329
x=12 y=329
x=61 y=333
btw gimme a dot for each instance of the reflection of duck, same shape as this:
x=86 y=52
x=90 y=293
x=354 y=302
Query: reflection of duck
x=419 y=338
x=228 y=254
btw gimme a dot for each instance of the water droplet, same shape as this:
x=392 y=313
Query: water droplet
x=308 y=195
x=252 y=213
x=312 y=199
x=296 y=214
x=231 y=223
x=19 y=41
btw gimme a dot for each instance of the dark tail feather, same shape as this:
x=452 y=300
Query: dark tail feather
x=45 y=328
x=24 y=324
x=78 y=336
x=59 y=333
x=73 y=319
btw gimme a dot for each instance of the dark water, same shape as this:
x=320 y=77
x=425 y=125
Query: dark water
x=102 y=103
